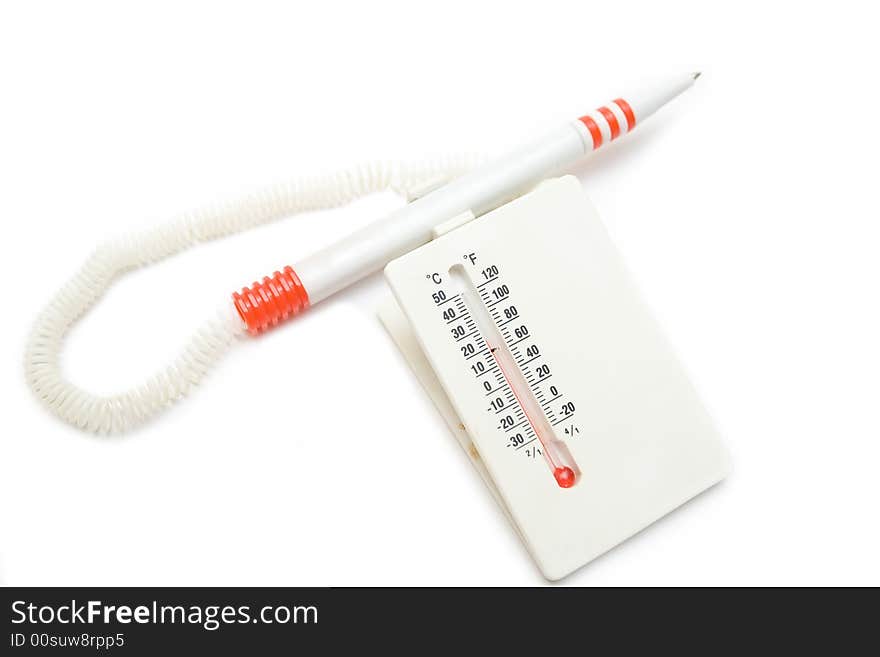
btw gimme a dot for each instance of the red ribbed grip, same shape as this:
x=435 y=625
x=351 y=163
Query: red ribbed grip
x=263 y=305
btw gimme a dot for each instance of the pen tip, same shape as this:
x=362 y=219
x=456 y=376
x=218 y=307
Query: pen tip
x=696 y=75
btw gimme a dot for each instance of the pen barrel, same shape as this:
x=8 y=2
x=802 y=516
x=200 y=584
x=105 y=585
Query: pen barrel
x=369 y=249
x=366 y=251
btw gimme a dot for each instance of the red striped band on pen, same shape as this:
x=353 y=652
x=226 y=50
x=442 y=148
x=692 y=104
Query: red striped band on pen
x=609 y=121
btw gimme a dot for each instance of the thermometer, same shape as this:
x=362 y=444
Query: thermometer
x=534 y=343
x=487 y=323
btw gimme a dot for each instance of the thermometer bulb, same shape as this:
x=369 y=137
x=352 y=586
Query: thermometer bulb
x=565 y=476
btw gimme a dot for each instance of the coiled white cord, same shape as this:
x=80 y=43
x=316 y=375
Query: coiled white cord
x=123 y=411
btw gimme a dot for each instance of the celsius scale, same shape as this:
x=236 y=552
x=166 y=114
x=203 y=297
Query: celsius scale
x=528 y=333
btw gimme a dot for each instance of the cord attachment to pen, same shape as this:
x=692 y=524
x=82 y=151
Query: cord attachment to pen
x=275 y=299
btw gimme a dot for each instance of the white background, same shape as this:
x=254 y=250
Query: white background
x=747 y=210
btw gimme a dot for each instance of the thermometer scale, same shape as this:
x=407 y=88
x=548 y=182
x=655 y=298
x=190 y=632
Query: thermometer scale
x=528 y=333
x=504 y=357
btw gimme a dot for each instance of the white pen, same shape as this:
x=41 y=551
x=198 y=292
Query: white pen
x=366 y=251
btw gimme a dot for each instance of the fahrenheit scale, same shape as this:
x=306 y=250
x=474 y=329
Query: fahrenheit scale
x=526 y=330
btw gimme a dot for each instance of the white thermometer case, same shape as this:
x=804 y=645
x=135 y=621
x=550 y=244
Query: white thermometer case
x=589 y=353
